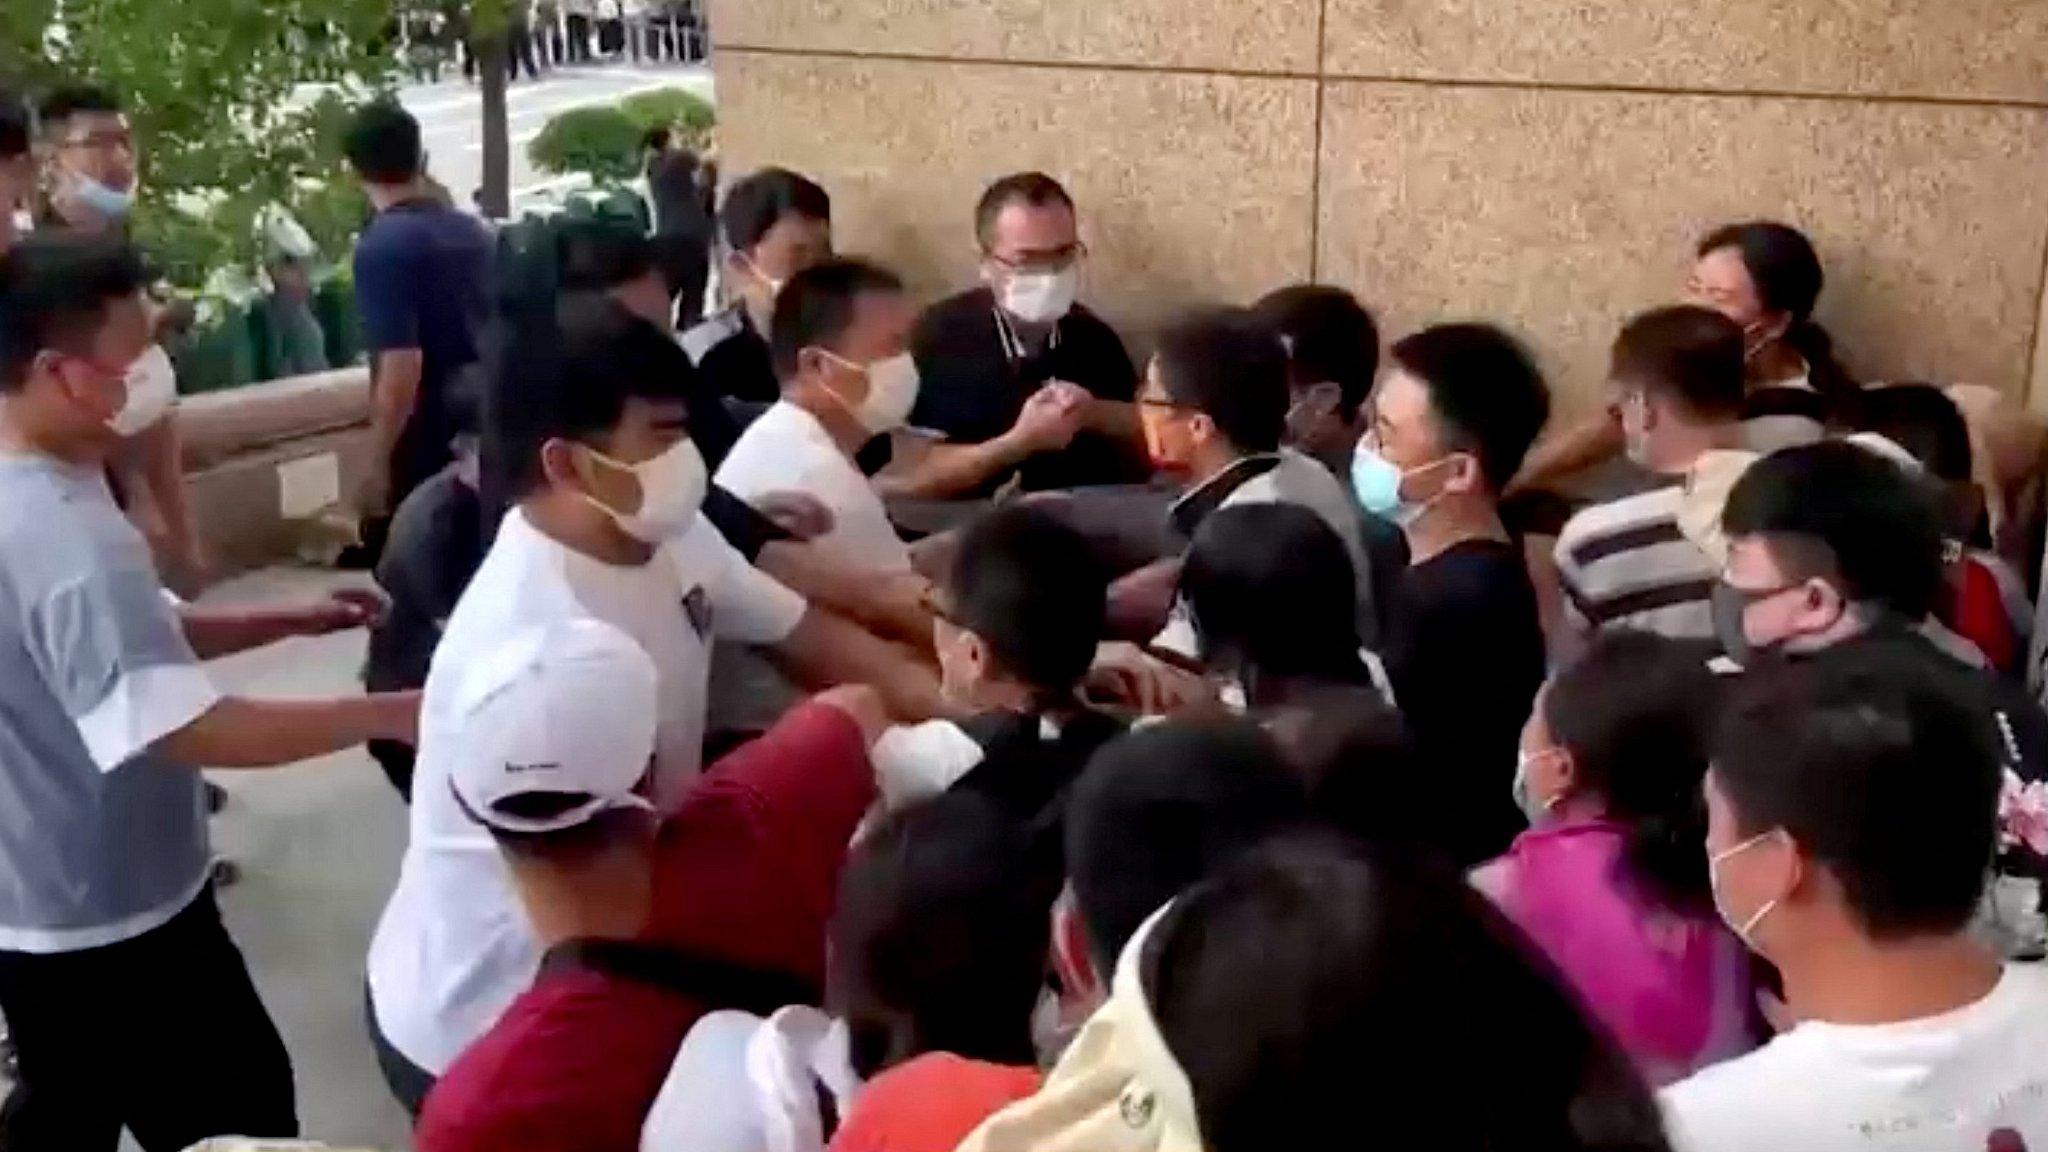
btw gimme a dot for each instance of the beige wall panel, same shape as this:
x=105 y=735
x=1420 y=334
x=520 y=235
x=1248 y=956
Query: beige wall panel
x=1272 y=36
x=1564 y=212
x=1982 y=49
x=1190 y=187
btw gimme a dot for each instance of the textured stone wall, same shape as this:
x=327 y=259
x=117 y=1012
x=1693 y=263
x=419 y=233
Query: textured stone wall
x=1543 y=162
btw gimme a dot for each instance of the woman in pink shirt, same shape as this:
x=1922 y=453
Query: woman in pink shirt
x=1610 y=880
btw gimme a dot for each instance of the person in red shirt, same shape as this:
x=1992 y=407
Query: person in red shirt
x=646 y=924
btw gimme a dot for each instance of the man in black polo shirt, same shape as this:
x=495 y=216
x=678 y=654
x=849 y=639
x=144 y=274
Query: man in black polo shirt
x=775 y=224
x=1015 y=372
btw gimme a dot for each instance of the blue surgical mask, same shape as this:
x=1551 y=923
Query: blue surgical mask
x=112 y=203
x=1376 y=481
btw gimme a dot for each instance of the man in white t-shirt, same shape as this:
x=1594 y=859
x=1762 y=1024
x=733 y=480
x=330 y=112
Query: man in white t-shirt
x=607 y=485
x=1852 y=814
x=841 y=344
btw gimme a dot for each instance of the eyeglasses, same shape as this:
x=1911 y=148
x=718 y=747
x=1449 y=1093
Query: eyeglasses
x=1055 y=260
x=106 y=141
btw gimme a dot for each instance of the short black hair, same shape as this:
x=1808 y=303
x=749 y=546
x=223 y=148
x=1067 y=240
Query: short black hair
x=757 y=203
x=1840 y=511
x=940 y=935
x=817 y=307
x=1635 y=711
x=654 y=139
x=1033 y=188
x=1329 y=336
x=1225 y=363
x=1921 y=419
x=14 y=126
x=568 y=375
x=1032 y=588
x=1489 y=397
x=1684 y=353
x=55 y=288
x=1877 y=763
x=69 y=100
x=1311 y=983
x=1159 y=808
x=383 y=143
x=1272 y=593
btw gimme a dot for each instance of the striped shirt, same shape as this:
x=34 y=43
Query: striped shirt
x=1627 y=564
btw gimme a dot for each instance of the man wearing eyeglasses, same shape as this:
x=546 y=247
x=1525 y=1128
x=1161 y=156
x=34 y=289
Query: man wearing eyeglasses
x=1016 y=372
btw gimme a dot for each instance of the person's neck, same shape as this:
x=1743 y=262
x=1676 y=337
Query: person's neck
x=1843 y=977
x=577 y=526
x=20 y=436
x=384 y=197
x=759 y=307
x=1211 y=461
x=1686 y=443
x=1452 y=521
x=1777 y=363
x=1004 y=696
x=848 y=434
x=598 y=902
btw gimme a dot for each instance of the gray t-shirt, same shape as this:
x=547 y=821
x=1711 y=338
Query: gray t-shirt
x=101 y=840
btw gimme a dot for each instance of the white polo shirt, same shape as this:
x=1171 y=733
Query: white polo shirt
x=787 y=450
x=453 y=947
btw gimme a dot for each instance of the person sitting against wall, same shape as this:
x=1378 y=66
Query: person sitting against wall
x=1017 y=372
x=1609 y=879
x=1766 y=277
x=1629 y=562
x=1333 y=359
x=1214 y=408
x=1452 y=420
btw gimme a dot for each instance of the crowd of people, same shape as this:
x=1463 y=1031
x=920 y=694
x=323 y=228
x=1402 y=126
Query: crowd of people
x=546 y=34
x=844 y=724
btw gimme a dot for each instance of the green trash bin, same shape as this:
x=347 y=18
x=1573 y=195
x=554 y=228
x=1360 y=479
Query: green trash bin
x=219 y=353
x=334 y=305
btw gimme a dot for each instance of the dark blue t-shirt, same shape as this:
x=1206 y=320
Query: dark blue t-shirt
x=423 y=281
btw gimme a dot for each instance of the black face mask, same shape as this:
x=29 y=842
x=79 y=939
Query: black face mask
x=1729 y=605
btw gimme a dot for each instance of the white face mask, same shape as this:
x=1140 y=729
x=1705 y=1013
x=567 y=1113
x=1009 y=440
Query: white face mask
x=892 y=391
x=672 y=487
x=1041 y=297
x=1745 y=929
x=152 y=391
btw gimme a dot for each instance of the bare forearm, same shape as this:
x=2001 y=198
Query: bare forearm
x=164 y=474
x=1140 y=603
x=243 y=733
x=393 y=394
x=1588 y=441
x=950 y=469
x=827 y=650
x=889 y=604
x=214 y=632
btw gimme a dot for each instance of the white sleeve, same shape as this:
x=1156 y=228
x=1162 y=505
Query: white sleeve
x=748 y=606
x=916 y=762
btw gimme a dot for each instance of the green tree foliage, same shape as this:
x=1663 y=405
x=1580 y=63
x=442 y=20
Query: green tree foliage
x=237 y=104
x=604 y=141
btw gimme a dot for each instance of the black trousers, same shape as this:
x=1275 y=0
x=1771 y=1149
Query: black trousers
x=162 y=1034
x=579 y=39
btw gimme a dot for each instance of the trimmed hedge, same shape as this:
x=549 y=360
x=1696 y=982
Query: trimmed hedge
x=600 y=140
x=604 y=141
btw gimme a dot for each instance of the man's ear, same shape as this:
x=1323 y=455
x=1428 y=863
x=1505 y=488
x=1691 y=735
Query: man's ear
x=560 y=462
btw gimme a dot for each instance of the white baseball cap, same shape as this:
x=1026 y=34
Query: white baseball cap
x=565 y=709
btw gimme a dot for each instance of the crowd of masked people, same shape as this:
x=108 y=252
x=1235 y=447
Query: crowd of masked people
x=845 y=725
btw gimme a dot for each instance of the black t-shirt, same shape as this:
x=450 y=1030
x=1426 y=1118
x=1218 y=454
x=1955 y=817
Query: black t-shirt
x=1465 y=654
x=739 y=366
x=973 y=388
x=435 y=546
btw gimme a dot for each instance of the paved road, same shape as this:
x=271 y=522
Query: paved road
x=451 y=117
